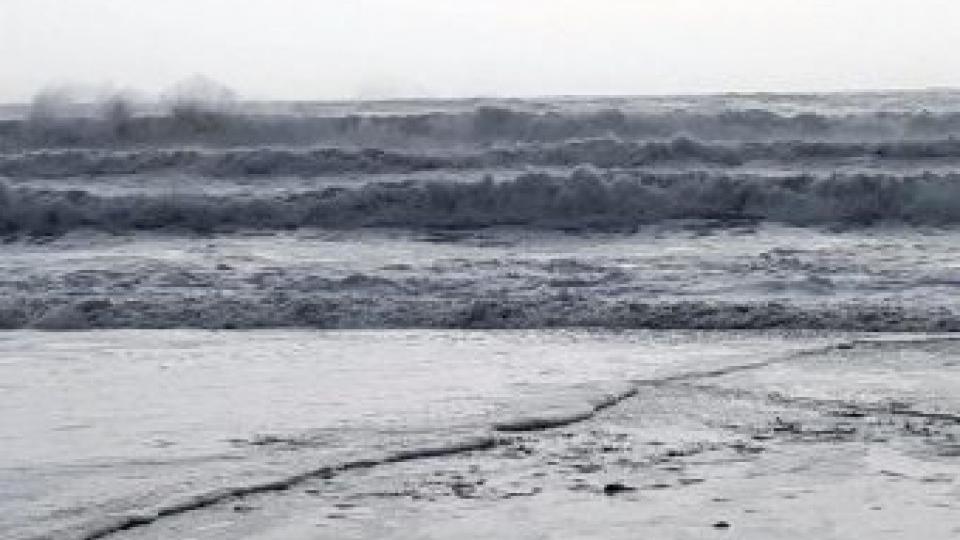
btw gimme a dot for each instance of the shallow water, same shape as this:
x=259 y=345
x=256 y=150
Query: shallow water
x=852 y=441
x=100 y=423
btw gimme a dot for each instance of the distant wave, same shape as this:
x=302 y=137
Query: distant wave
x=118 y=126
x=585 y=200
x=225 y=163
x=600 y=152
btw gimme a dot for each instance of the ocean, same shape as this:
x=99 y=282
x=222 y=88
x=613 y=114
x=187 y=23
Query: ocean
x=414 y=319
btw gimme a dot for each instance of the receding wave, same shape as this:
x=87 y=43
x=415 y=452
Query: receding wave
x=585 y=200
x=487 y=437
x=599 y=152
x=100 y=527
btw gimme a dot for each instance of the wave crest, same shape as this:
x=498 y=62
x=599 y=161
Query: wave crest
x=312 y=162
x=119 y=124
x=585 y=200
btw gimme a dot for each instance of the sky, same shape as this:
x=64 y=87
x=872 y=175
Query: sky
x=372 y=49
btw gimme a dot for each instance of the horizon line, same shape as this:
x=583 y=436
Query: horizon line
x=559 y=96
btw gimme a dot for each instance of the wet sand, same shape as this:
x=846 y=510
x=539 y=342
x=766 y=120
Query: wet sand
x=855 y=441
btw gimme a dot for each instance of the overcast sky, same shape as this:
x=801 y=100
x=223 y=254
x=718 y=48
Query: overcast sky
x=315 y=49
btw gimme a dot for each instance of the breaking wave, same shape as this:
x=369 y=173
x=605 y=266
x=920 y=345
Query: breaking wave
x=310 y=162
x=282 y=310
x=584 y=200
